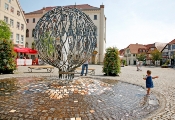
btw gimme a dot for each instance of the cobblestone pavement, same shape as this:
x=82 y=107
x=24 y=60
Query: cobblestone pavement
x=85 y=99
x=164 y=85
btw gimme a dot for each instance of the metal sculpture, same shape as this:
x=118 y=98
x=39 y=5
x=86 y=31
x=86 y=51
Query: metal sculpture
x=65 y=38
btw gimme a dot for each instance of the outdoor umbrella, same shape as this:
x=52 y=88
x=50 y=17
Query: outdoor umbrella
x=21 y=50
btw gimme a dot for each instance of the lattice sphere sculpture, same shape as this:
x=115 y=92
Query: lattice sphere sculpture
x=65 y=38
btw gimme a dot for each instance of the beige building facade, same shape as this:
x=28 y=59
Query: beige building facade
x=132 y=51
x=95 y=13
x=12 y=14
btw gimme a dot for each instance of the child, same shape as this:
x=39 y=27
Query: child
x=149 y=82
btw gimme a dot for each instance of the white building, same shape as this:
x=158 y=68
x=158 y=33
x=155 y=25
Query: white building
x=131 y=52
x=95 y=13
x=168 y=52
x=11 y=13
x=151 y=47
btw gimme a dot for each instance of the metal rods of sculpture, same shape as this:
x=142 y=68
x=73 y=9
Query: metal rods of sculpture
x=65 y=38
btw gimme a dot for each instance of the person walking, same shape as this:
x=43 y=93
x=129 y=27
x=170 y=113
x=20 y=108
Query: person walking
x=137 y=65
x=85 y=65
x=140 y=65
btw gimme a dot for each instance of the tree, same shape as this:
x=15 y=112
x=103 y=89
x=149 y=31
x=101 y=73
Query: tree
x=48 y=43
x=111 y=62
x=7 y=54
x=7 y=57
x=141 y=56
x=156 y=55
x=5 y=32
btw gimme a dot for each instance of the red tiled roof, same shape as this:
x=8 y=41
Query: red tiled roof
x=172 y=42
x=121 y=51
x=134 y=47
x=149 y=46
x=83 y=6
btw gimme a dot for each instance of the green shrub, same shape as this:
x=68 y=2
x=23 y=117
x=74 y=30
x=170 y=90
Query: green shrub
x=111 y=62
x=7 y=54
x=7 y=57
x=124 y=62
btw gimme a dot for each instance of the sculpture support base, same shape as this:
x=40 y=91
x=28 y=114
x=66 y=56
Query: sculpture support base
x=66 y=75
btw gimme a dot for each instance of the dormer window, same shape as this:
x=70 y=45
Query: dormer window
x=18 y=13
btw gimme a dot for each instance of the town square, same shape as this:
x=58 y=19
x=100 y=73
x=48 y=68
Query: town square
x=85 y=60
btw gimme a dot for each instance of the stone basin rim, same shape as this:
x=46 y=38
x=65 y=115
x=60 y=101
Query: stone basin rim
x=160 y=97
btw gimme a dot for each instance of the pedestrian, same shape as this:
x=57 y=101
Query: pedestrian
x=85 y=65
x=140 y=65
x=149 y=82
x=137 y=65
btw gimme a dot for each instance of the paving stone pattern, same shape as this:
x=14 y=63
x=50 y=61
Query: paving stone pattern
x=85 y=99
x=164 y=85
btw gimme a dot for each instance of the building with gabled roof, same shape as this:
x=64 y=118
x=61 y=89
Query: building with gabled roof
x=12 y=13
x=168 y=52
x=132 y=51
x=95 y=13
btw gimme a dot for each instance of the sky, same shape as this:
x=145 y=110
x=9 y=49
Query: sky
x=128 y=21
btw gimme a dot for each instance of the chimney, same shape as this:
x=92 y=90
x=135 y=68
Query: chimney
x=44 y=9
x=102 y=6
x=24 y=12
x=136 y=43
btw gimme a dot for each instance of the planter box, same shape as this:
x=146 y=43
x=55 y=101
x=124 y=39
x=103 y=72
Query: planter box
x=6 y=71
x=163 y=66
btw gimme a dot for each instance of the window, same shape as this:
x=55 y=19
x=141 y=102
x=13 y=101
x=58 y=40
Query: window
x=133 y=54
x=6 y=6
x=27 y=45
x=17 y=38
x=33 y=31
x=27 y=33
x=127 y=50
x=6 y=19
x=152 y=48
x=169 y=47
x=18 y=25
x=12 y=9
x=22 y=26
x=22 y=39
x=27 y=20
x=9 y=1
x=173 y=46
x=95 y=17
x=11 y=35
x=33 y=20
x=18 y=13
x=11 y=23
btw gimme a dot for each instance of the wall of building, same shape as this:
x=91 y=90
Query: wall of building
x=129 y=57
x=11 y=12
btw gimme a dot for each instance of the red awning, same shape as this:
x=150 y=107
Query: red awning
x=25 y=50
x=21 y=50
x=33 y=51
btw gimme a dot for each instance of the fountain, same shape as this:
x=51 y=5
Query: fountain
x=65 y=38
